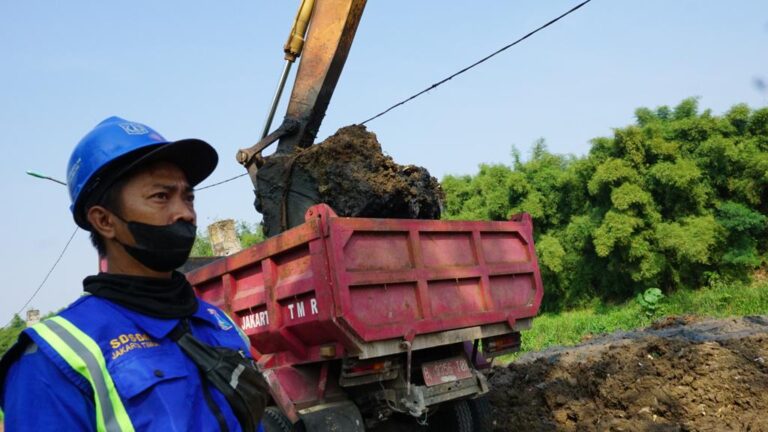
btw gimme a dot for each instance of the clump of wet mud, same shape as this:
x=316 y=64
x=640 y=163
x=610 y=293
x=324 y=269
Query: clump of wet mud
x=678 y=375
x=349 y=172
x=356 y=179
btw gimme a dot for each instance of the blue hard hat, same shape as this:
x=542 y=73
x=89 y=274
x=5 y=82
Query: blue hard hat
x=116 y=146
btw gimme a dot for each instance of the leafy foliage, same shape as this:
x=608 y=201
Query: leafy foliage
x=249 y=234
x=202 y=246
x=650 y=300
x=10 y=333
x=663 y=203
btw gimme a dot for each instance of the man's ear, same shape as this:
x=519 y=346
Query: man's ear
x=102 y=221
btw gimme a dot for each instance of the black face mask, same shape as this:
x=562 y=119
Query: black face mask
x=161 y=248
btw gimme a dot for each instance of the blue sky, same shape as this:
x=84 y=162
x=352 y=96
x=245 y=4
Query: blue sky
x=208 y=70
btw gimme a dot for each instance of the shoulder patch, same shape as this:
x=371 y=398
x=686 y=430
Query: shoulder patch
x=224 y=324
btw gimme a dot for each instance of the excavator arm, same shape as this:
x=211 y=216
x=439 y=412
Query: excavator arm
x=331 y=31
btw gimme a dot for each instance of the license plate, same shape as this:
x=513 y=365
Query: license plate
x=445 y=371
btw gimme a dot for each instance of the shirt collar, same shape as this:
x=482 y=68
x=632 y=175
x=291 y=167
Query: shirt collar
x=159 y=328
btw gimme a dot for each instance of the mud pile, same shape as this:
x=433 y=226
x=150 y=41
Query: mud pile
x=355 y=178
x=676 y=376
x=349 y=172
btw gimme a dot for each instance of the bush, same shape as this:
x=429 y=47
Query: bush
x=661 y=204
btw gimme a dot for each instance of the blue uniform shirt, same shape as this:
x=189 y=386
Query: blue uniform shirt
x=161 y=388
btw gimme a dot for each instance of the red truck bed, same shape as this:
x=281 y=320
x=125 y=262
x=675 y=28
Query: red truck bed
x=336 y=287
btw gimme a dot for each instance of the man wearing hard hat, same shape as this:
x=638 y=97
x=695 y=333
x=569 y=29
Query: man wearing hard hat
x=138 y=351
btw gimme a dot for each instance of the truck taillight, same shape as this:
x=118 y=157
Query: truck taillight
x=503 y=344
x=356 y=372
x=365 y=368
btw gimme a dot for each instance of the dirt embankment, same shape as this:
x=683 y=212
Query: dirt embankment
x=678 y=375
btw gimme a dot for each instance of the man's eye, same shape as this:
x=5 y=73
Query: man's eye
x=191 y=198
x=160 y=195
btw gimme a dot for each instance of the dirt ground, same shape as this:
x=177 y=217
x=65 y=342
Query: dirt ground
x=681 y=374
x=678 y=375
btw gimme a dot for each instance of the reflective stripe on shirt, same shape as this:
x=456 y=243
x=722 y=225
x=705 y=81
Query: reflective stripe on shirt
x=84 y=356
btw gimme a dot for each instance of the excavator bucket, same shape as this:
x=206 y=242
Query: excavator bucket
x=280 y=197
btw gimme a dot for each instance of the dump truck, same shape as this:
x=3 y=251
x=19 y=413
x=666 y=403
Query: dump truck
x=355 y=320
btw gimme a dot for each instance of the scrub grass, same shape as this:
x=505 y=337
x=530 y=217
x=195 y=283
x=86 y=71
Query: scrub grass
x=571 y=327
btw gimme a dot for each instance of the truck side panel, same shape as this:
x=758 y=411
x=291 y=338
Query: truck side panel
x=327 y=288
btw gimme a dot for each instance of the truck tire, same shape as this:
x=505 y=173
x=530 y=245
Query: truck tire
x=274 y=420
x=482 y=416
x=453 y=417
x=340 y=416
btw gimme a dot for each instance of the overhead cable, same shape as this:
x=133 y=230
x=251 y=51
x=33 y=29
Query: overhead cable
x=482 y=60
x=221 y=182
x=444 y=80
x=45 y=279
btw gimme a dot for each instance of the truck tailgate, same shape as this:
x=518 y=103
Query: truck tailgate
x=323 y=289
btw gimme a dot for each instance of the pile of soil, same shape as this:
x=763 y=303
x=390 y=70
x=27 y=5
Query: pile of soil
x=678 y=375
x=356 y=178
x=349 y=172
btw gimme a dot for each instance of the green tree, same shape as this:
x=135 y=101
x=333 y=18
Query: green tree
x=743 y=226
x=666 y=202
x=10 y=333
x=249 y=233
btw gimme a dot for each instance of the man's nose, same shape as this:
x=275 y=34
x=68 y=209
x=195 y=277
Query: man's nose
x=183 y=210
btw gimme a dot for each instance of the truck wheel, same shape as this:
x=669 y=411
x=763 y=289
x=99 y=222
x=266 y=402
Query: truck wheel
x=482 y=416
x=274 y=420
x=453 y=417
x=340 y=416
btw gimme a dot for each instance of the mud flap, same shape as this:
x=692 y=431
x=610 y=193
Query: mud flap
x=340 y=417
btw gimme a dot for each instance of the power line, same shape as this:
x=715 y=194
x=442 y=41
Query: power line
x=410 y=98
x=271 y=183
x=484 y=59
x=222 y=182
x=46 y=276
x=45 y=177
x=66 y=246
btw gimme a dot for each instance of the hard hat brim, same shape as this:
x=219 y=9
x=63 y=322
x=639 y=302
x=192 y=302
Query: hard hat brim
x=196 y=158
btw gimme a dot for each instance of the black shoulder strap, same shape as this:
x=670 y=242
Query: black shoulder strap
x=203 y=355
x=230 y=372
x=181 y=328
x=181 y=334
x=215 y=409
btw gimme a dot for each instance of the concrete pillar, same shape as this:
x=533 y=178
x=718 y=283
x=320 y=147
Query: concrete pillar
x=223 y=237
x=33 y=317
